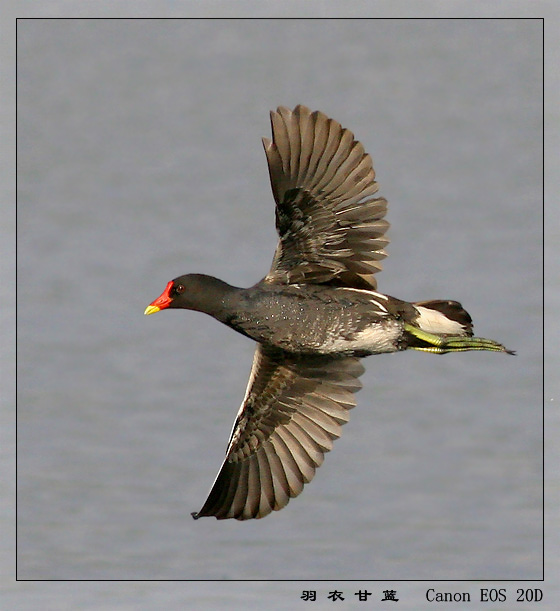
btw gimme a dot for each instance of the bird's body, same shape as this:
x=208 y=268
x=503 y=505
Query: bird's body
x=293 y=317
x=313 y=316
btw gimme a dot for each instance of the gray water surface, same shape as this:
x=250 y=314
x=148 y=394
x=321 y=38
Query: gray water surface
x=139 y=160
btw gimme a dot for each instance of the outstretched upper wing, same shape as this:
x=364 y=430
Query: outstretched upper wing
x=292 y=411
x=320 y=176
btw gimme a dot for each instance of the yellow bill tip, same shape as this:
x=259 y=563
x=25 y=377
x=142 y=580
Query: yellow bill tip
x=151 y=309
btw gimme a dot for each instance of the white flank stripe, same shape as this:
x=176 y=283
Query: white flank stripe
x=373 y=295
x=364 y=291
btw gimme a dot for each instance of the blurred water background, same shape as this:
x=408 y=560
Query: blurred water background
x=139 y=159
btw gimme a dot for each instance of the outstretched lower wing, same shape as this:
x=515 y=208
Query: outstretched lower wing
x=293 y=409
x=320 y=176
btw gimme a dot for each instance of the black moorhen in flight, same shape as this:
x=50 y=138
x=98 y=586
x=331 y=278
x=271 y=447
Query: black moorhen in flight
x=313 y=316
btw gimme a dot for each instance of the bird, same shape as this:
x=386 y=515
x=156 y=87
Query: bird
x=314 y=316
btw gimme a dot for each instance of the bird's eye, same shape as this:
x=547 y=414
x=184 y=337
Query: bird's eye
x=179 y=289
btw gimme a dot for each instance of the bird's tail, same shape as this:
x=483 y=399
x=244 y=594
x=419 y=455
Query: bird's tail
x=442 y=317
x=442 y=344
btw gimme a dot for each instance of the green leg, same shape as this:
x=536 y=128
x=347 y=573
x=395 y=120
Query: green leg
x=453 y=343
